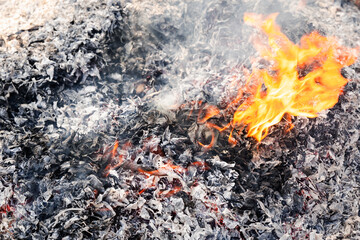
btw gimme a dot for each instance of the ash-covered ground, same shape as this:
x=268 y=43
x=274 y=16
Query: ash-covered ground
x=96 y=74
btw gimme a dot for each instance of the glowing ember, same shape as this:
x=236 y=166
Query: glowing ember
x=151 y=179
x=301 y=80
x=117 y=159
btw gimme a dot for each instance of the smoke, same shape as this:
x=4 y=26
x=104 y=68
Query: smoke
x=191 y=50
x=199 y=41
x=198 y=45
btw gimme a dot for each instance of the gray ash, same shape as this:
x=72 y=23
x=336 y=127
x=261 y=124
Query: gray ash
x=112 y=73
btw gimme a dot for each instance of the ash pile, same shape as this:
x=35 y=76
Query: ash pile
x=101 y=138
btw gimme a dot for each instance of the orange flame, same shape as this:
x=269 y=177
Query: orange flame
x=287 y=91
x=302 y=80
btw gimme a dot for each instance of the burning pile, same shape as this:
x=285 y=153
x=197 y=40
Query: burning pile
x=298 y=80
x=101 y=73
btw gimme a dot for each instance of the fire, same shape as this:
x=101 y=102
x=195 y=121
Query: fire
x=300 y=80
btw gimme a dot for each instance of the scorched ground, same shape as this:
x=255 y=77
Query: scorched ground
x=100 y=132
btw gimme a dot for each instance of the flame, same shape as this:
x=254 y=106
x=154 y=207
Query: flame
x=301 y=80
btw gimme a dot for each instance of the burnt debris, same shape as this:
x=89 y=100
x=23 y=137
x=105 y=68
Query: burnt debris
x=99 y=128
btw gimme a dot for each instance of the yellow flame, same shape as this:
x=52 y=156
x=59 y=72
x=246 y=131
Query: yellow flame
x=286 y=91
x=302 y=80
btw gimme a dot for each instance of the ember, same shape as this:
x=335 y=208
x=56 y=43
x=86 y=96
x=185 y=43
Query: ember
x=299 y=80
x=152 y=178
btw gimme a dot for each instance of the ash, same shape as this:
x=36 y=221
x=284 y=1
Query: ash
x=95 y=74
